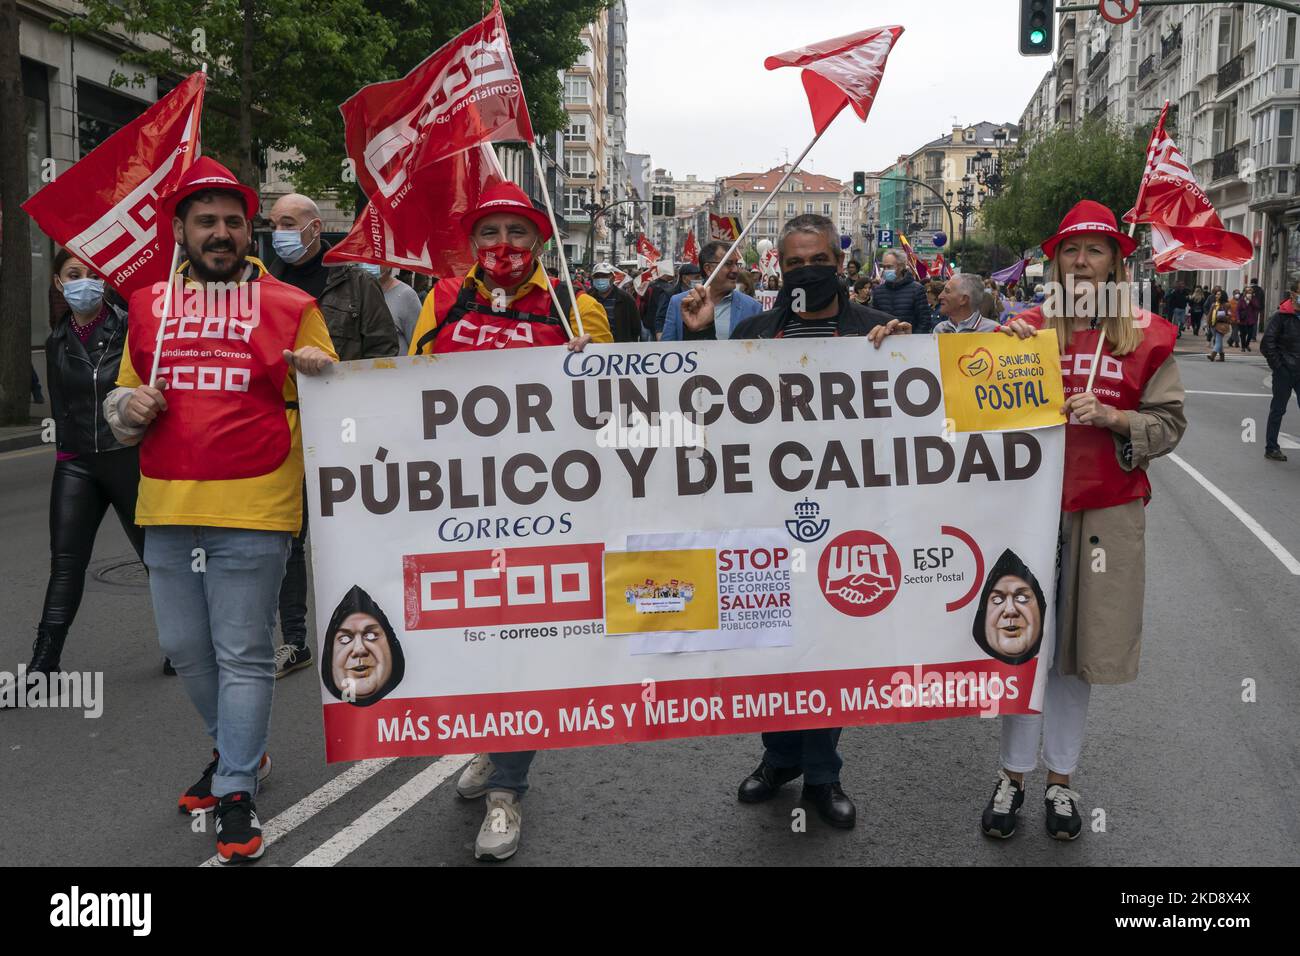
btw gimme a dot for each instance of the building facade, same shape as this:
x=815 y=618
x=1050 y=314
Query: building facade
x=1231 y=75
x=586 y=157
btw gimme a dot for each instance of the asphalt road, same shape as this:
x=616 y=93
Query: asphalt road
x=1185 y=771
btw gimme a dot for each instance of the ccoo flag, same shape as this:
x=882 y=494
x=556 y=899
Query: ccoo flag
x=842 y=72
x=105 y=209
x=1186 y=232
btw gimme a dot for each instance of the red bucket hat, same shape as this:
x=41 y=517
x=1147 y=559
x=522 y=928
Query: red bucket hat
x=1088 y=217
x=505 y=197
x=207 y=173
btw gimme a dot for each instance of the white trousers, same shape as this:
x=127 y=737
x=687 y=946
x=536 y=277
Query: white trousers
x=1060 y=727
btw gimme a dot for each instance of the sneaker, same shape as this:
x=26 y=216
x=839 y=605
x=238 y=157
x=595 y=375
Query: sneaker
x=999 y=818
x=239 y=832
x=290 y=658
x=1275 y=454
x=473 y=780
x=1063 y=820
x=498 y=837
x=199 y=799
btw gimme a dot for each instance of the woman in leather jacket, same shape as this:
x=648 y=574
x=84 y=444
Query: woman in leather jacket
x=93 y=470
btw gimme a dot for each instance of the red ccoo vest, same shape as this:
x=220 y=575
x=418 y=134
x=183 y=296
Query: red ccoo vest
x=466 y=321
x=222 y=358
x=1093 y=476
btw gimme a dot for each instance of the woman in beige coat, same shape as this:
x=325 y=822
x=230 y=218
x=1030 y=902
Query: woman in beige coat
x=1131 y=413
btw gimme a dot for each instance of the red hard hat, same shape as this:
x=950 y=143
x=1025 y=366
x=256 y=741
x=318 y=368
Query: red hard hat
x=206 y=173
x=508 y=198
x=1088 y=217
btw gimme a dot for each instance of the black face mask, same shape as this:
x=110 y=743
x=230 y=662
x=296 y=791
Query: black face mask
x=820 y=285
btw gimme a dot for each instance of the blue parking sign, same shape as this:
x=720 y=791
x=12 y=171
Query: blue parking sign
x=886 y=237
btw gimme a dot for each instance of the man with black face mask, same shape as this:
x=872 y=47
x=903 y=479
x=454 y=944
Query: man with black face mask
x=812 y=304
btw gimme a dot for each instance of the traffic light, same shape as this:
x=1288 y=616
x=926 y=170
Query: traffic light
x=1036 y=26
x=670 y=205
x=656 y=205
x=859 y=184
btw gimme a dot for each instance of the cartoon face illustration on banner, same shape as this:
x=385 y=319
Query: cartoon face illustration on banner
x=1009 y=623
x=362 y=660
x=859 y=573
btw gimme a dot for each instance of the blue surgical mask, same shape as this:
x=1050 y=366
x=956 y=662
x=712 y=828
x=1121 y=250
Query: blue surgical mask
x=601 y=285
x=84 y=295
x=288 y=244
x=371 y=267
x=890 y=275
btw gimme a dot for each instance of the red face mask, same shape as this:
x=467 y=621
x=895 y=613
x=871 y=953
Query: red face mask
x=505 y=264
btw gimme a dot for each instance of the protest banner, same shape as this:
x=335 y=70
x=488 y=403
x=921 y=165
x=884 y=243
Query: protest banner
x=643 y=542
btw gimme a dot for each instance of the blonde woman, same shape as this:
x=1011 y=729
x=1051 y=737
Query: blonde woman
x=1133 y=414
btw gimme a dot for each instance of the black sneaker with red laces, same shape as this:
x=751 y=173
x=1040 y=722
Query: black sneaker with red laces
x=239 y=832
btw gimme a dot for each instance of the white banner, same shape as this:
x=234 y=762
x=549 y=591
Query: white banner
x=499 y=566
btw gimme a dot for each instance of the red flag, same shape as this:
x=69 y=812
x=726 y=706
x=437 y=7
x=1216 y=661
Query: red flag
x=724 y=228
x=467 y=92
x=644 y=247
x=690 y=250
x=419 y=147
x=432 y=245
x=104 y=210
x=1186 y=232
x=841 y=72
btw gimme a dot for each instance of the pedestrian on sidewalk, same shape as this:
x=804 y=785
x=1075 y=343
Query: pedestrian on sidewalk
x=92 y=469
x=1280 y=347
x=1108 y=447
x=1222 y=318
x=465 y=314
x=1177 y=305
x=812 y=304
x=1247 y=319
x=1196 y=309
x=221 y=477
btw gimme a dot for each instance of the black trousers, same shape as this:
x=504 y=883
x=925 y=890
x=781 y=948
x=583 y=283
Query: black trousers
x=293 y=589
x=82 y=491
x=1284 y=386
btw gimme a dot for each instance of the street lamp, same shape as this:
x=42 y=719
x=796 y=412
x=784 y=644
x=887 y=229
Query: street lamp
x=593 y=209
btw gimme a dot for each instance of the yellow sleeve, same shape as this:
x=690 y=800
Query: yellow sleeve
x=594 y=320
x=126 y=377
x=312 y=330
x=428 y=319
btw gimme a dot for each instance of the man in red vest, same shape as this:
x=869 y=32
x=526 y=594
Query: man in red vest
x=504 y=302
x=221 y=474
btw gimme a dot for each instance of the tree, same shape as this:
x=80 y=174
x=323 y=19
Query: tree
x=15 y=246
x=1094 y=161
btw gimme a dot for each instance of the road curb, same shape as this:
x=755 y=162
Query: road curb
x=22 y=440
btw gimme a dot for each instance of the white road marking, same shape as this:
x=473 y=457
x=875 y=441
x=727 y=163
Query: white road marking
x=1282 y=554
x=314 y=803
x=337 y=847
x=1192 y=391
x=1287 y=441
x=25 y=452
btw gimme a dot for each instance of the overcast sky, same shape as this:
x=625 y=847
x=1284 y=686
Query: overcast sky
x=699 y=100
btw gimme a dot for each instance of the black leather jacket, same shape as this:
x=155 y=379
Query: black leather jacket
x=79 y=378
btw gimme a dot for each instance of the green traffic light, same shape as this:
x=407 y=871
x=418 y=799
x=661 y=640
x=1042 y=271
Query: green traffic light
x=1036 y=37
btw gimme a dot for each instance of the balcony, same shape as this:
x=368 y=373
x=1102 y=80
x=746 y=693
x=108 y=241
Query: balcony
x=1067 y=50
x=1098 y=109
x=1274 y=189
x=1098 y=59
x=1231 y=72
x=1146 y=69
x=1171 y=45
x=1225 y=164
x=1064 y=90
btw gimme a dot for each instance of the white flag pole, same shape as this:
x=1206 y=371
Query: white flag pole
x=559 y=245
x=176 y=249
x=766 y=202
x=1101 y=336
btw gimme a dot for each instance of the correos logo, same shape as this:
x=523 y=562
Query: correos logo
x=598 y=365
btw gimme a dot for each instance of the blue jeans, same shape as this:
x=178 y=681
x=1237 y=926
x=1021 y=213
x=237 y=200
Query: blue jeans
x=510 y=771
x=1218 y=343
x=813 y=750
x=215 y=621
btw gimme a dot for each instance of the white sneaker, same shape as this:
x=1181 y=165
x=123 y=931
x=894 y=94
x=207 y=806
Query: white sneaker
x=473 y=780
x=498 y=837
